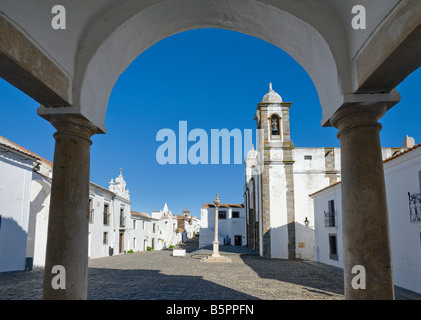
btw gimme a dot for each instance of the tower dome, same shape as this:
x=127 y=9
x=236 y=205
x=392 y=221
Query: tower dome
x=272 y=96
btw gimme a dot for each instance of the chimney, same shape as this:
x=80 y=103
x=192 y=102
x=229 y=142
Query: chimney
x=408 y=143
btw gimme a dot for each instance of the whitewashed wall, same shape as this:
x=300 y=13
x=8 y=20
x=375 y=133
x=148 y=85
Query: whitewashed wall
x=278 y=213
x=97 y=247
x=321 y=237
x=402 y=175
x=139 y=233
x=309 y=177
x=39 y=209
x=15 y=188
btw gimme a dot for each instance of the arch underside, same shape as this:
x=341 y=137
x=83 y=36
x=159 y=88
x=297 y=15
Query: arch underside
x=74 y=71
x=98 y=73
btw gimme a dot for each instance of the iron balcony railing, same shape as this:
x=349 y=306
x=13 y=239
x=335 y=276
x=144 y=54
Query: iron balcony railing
x=330 y=219
x=414 y=207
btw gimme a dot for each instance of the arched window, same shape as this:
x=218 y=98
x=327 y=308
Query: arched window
x=274 y=125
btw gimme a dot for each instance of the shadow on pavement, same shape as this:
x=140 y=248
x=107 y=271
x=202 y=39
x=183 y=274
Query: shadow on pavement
x=116 y=284
x=297 y=272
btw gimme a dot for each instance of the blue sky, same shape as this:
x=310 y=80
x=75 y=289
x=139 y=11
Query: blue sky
x=213 y=79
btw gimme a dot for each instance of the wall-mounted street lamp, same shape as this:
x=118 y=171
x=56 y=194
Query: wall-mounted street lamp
x=306 y=222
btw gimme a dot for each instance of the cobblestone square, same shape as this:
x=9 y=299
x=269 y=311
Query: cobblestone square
x=157 y=275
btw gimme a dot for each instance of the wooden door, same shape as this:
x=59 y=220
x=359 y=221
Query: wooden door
x=121 y=246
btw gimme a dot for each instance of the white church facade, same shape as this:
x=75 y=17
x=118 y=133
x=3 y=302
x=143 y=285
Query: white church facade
x=278 y=180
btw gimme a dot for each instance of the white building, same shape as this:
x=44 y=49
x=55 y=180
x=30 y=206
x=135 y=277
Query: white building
x=109 y=218
x=191 y=224
x=187 y=225
x=231 y=225
x=279 y=178
x=164 y=225
x=141 y=226
x=402 y=176
x=25 y=188
x=16 y=170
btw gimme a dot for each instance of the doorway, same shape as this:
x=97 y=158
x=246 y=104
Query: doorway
x=121 y=246
x=238 y=240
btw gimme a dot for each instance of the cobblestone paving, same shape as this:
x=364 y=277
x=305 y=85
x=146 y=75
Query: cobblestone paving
x=158 y=275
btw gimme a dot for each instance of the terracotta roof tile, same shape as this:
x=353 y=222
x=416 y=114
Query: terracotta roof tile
x=140 y=214
x=401 y=153
x=330 y=186
x=14 y=146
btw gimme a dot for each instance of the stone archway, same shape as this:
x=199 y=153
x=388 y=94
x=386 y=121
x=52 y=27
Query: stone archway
x=72 y=76
x=93 y=83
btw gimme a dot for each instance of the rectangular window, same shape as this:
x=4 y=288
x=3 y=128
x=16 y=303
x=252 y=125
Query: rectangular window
x=122 y=218
x=222 y=214
x=333 y=248
x=134 y=224
x=236 y=214
x=106 y=214
x=330 y=214
x=134 y=242
x=105 y=238
x=143 y=225
x=91 y=211
x=153 y=228
x=308 y=157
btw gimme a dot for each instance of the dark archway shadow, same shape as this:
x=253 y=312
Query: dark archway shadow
x=116 y=284
x=120 y=284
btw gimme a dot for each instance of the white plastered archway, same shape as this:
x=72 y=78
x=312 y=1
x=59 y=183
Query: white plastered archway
x=98 y=67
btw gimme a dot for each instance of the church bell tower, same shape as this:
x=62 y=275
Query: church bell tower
x=276 y=171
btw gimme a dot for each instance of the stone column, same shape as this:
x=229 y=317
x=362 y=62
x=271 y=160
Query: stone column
x=215 y=242
x=365 y=224
x=67 y=242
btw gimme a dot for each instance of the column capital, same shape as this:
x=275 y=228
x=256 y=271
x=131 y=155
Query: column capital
x=363 y=109
x=73 y=125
